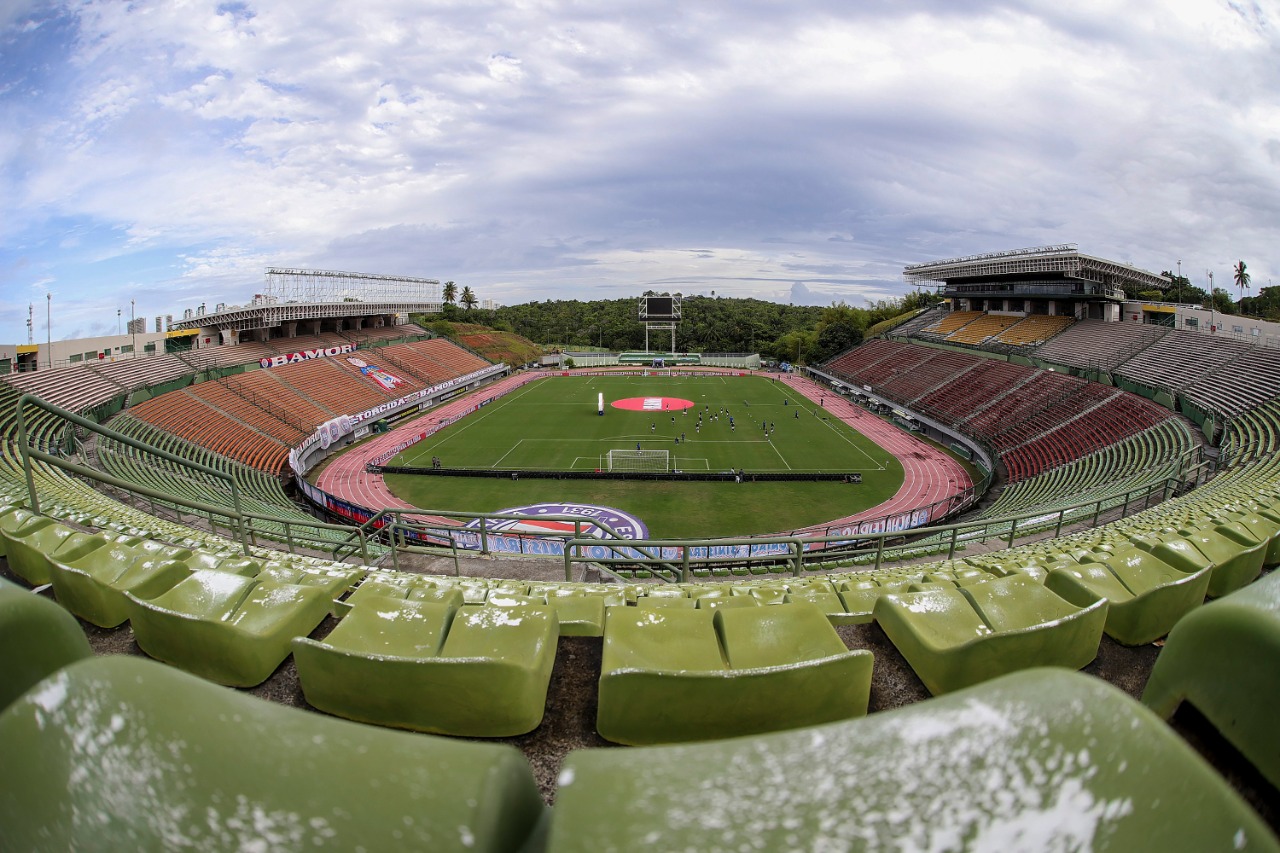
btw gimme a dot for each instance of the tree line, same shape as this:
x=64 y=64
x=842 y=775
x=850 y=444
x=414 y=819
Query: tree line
x=793 y=333
x=1265 y=305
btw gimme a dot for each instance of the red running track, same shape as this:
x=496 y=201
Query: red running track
x=930 y=475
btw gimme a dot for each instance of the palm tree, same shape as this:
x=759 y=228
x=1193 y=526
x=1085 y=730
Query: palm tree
x=1242 y=278
x=450 y=292
x=468 y=298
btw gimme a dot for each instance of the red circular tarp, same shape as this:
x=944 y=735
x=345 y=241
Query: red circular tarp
x=652 y=404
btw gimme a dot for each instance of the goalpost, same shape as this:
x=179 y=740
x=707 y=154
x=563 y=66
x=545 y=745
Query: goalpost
x=638 y=461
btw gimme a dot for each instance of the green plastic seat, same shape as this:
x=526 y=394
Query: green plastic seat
x=1237 y=553
x=1146 y=596
x=227 y=628
x=404 y=587
x=579 y=615
x=1235 y=556
x=1262 y=523
x=92 y=585
x=30 y=539
x=859 y=600
x=37 y=638
x=1038 y=760
x=678 y=675
x=957 y=637
x=716 y=602
x=121 y=753
x=1222 y=659
x=665 y=602
x=434 y=666
x=769 y=594
x=827 y=600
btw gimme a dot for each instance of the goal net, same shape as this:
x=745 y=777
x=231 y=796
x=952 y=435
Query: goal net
x=638 y=460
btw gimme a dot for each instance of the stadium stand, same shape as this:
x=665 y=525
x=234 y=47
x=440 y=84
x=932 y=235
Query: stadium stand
x=1242 y=384
x=949 y=322
x=1181 y=358
x=982 y=328
x=1227 y=531
x=1094 y=344
x=1034 y=329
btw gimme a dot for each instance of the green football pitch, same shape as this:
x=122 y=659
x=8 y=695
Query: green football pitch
x=554 y=425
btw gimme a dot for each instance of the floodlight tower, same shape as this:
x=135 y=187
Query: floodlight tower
x=660 y=313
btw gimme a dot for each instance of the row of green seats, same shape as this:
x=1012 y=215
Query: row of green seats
x=121 y=753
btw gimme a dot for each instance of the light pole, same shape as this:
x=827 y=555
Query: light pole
x=1211 y=323
x=133 y=324
x=48 y=326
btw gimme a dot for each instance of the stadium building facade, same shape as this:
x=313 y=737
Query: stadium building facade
x=1049 y=280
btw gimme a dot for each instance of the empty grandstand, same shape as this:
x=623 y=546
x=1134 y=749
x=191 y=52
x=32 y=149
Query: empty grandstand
x=222 y=578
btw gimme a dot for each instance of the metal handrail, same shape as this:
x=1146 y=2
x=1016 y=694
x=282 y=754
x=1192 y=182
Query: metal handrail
x=798 y=546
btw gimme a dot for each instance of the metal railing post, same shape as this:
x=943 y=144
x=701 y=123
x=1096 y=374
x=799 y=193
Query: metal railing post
x=33 y=499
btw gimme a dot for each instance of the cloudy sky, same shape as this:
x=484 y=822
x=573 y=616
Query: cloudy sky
x=168 y=151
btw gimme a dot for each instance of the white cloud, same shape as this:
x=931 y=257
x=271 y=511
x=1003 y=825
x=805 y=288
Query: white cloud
x=537 y=150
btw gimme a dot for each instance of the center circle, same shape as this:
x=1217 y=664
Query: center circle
x=652 y=404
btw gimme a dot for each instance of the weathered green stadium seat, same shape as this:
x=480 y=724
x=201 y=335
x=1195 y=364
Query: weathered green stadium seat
x=30 y=539
x=92 y=585
x=1146 y=596
x=37 y=638
x=665 y=602
x=334 y=582
x=1262 y=523
x=1038 y=760
x=120 y=753
x=580 y=615
x=769 y=594
x=859 y=600
x=227 y=628
x=678 y=675
x=826 y=599
x=720 y=601
x=954 y=638
x=6 y=509
x=502 y=598
x=434 y=667
x=1222 y=658
x=396 y=586
x=1237 y=554
x=1236 y=557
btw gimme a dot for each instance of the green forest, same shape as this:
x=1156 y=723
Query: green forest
x=710 y=324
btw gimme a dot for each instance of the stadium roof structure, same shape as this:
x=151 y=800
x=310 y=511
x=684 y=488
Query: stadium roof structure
x=302 y=294
x=1046 y=270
